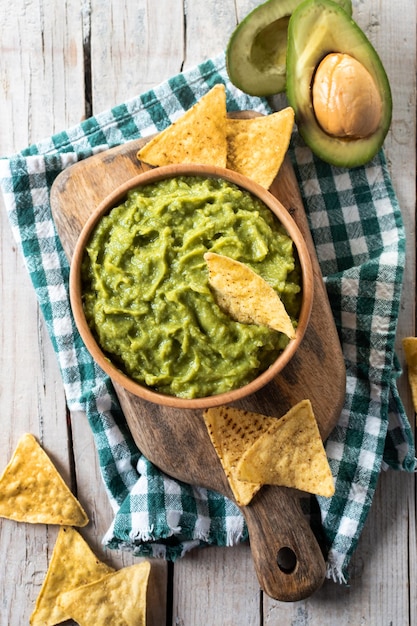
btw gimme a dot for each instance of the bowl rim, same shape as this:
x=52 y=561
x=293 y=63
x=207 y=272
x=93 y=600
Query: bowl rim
x=116 y=197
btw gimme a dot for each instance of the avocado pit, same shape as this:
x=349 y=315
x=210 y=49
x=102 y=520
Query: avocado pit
x=345 y=98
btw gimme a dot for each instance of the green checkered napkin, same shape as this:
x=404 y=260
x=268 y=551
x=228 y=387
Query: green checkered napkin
x=358 y=232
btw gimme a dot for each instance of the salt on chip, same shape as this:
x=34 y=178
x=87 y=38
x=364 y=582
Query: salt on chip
x=32 y=490
x=410 y=353
x=290 y=454
x=256 y=147
x=231 y=431
x=72 y=564
x=118 y=598
x=198 y=136
x=245 y=295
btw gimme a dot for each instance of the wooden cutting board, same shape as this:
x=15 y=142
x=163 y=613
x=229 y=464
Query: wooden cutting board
x=288 y=560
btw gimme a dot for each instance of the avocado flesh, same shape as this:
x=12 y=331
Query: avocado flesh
x=317 y=28
x=256 y=52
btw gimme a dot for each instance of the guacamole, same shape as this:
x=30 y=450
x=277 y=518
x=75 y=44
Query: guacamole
x=145 y=285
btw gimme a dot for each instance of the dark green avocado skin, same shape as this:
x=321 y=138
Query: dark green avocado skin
x=317 y=28
x=256 y=52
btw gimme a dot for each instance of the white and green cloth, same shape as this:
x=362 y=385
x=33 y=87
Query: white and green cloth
x=358 y=232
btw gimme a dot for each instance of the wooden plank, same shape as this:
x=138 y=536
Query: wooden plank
x=394 y=35
x=132 y=48
x=32 y=401
x=383 y=578
x=208 y=28
x=40 y=78
x=216 y=586
x=41 y=70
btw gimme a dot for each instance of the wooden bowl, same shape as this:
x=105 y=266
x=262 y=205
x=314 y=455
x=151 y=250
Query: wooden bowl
x=116 y=198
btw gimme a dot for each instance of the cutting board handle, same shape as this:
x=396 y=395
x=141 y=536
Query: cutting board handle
x=288 y=560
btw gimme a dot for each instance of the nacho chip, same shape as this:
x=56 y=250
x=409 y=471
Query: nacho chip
x=256 y=147
x=32 y=490
x=231 y=432
x=290 y=453
x=410 y=353
x=72 y=564
x=118 y=598
x=198 y=136
x=245 y=295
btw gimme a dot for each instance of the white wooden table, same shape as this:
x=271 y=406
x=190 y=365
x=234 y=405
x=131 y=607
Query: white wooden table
x=60 y=61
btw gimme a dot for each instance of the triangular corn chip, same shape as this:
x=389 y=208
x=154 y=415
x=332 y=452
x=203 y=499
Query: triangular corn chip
x=256 y=147
x=32 y=490
x=245 y=295
x=198 y=136
x=72 y=564
x=231 y=432
x=410 y=353
x=117 y=599
x=290 y=453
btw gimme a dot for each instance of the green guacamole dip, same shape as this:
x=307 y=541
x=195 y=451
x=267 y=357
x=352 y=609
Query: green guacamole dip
x=146 y=293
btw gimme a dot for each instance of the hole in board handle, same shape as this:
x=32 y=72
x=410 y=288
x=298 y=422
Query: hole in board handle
x=287 y=560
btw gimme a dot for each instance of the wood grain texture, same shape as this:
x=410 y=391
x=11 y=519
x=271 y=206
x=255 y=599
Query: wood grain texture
x=223 y=579
x=46 y=87
x=122 y=37
x=34 y=76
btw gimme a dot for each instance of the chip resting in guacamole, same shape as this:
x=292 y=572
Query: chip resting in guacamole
x=147 y=296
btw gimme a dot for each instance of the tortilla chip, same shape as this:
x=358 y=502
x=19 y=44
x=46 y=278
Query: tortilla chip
x=231 y=432
x=245 y=295
x=118 y=598
x=291 y=454
x=410 y=353
x=72 y=564
x=198 y=136
x=256 y=147
x=32 y=490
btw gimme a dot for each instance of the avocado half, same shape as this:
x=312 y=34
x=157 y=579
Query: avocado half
x=256 y=52
x=316 y=29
